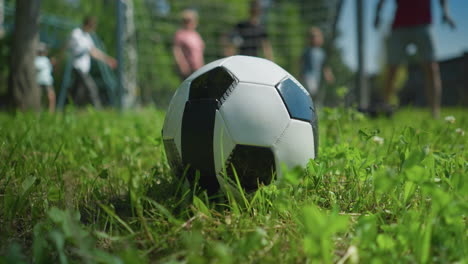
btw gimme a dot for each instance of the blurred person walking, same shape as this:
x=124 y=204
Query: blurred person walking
x=82 y=47
x=313 y=66
x=412 y=25
x=44 y=69
x=250 y=37
x=188 y=45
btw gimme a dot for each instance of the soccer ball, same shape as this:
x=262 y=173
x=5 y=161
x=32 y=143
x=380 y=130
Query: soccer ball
x=239 y=116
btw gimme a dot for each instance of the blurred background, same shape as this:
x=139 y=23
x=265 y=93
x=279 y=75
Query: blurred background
x=140 y=34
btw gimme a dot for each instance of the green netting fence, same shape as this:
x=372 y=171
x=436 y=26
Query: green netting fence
x=155 y=22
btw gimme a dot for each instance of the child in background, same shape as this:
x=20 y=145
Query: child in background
x=44 y=74
x=188 y=45
x=313 y=67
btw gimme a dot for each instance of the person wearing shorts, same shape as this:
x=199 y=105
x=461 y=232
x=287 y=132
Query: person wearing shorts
x=44 y=74
x=82 y=48
x=412 y=26
x=250 y=37
x=313 y=66
x=188 y=45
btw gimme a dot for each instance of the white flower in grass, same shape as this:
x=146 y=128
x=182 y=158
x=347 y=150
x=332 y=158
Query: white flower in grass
x=450 y=119
x=351 y=256
x=354 y=255
x=460 y=131
x=378 y=140
x=427 y=149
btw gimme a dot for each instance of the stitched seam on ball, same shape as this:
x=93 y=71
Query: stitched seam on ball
x=282 y=134
x=230 y=89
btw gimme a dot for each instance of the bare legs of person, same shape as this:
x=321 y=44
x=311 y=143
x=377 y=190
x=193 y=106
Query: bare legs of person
x=433 y=86
x=84 y=90
x=389 y=88
x=49 y=89
x=51 y=97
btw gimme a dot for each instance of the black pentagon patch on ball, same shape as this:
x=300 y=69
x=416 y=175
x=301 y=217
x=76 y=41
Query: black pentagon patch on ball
x=197 y=142
x=207 y=93
x=214 y=84
x=297 y=101
x=252 y=164
x=300 y=106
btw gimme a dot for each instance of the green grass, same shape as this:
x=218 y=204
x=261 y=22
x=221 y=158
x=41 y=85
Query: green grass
x=95 y=187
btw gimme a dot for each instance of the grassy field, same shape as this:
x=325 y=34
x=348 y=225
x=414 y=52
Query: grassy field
x=95 y=187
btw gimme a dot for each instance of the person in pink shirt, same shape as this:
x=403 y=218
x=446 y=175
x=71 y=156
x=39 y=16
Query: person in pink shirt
x=411 y=25
x=188 y=45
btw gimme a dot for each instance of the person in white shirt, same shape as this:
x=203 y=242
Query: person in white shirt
x=44 y=74
x=82 y=48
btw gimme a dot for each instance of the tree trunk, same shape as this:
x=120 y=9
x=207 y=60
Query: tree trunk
x=22 y=87
x=131 y=58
